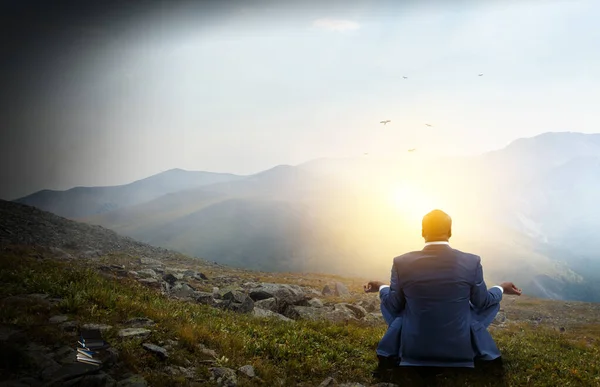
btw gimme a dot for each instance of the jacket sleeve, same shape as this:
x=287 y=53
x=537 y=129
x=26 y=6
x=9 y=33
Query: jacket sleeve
x=481 y=297
x=392 y=297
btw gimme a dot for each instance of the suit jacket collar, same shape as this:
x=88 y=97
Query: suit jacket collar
x=436 y=244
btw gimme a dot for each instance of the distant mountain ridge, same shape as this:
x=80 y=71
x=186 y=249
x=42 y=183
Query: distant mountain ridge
x=522 y=208
x=80 y=202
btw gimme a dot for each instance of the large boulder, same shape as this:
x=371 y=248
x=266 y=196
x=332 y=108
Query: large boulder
x=258 y=312
x=237 y=301
x=358 y=311
x=288 y=294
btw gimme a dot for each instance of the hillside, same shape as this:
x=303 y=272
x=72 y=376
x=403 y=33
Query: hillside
x=215 y=325
x=527 y=209
x=81 y=202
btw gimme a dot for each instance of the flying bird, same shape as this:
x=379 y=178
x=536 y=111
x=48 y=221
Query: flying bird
x=412 y=150
x=428 y=125
x=404 y=77
x=480 y=75
x=385 y=122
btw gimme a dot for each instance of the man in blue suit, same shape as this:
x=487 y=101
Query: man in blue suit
x=437 y=305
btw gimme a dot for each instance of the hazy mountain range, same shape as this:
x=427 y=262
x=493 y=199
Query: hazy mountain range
x=528 y=209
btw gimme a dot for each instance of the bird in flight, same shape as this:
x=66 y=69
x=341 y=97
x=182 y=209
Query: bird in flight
x=365 y=154
x=385 y=122
x=404 y=77
x=480 y=75
x=428 y=125
x=412 y=150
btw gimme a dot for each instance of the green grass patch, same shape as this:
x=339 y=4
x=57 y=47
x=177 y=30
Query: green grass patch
x=282 y=353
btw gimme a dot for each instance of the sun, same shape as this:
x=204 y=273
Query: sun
x=411 y=201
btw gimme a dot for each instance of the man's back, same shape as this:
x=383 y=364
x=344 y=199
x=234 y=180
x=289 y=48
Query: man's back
x=436 y=285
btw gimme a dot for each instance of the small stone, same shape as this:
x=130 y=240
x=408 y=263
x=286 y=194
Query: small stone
x=138 y=322
x=328 y=382
x=58 y=319
x=223 y=376
x=315 y=303
x=147 y=273
x=100 y=327
x=159 y=351
x=247 y=370
x=69 y=326
x=133 y=381
x=134 y=333
x=170 y=279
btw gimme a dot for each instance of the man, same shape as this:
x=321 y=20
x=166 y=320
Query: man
x=437 y=305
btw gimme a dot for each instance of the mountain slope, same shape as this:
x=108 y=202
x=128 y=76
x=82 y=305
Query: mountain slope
x=528 y=210
x=82 y=202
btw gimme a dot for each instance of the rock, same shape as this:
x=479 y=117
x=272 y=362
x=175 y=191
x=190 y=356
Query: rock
x=315 y=303
x=328 y=382
x=247 y=370
x=358 y=311
x=188 y=373
x=133 y=273
x=289 y=294
x=138 y=322
x=352 y=385
x=147 y=273
x=204 y=298
x=170 y=279
x=98 y=380
x=64 y=355
x=58 y=319
x=69 y=372
x=133 y=381
x=100 y=327
x=207 y=351
x=182 y=290
x=297 y=312
x=370 y=305
x=327 y=291
x=201 y=276
x=258 y=312
x=10 y=335
x=385 y=385
x=148 y=281
x=499 y=319
x=159 y=351
x=153 y=263
x=305 y=313
x=561 y=329
x=128 y=333
x=341 y=290
x=223 y=376
x=268 y=304
x=69 y=326
x=374 y=318
x=238 y=302
x=215 y=293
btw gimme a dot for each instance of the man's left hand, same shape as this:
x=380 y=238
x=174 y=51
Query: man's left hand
x=373 y=286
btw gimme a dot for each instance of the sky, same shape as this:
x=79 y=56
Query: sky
x=103 y=94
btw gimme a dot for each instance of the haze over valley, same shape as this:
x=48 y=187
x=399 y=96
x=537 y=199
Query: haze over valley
x=527 y=209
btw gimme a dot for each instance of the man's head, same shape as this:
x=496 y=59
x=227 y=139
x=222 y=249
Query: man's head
x=437 y=226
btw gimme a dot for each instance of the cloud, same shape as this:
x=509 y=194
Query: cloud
x=336 y=24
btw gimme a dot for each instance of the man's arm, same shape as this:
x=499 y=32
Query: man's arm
x=481 y=297
x=392 y=296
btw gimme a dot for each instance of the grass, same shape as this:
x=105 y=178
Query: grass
x=282 y=353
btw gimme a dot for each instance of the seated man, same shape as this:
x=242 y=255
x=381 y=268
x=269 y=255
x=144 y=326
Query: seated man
x=437 y=305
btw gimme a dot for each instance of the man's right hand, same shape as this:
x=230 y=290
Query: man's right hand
x=510 y=288
x=372 y=286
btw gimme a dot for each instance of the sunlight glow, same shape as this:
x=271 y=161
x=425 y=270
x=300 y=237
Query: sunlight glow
x=412 y=202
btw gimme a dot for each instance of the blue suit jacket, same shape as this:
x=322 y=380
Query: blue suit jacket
x=438 y=292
